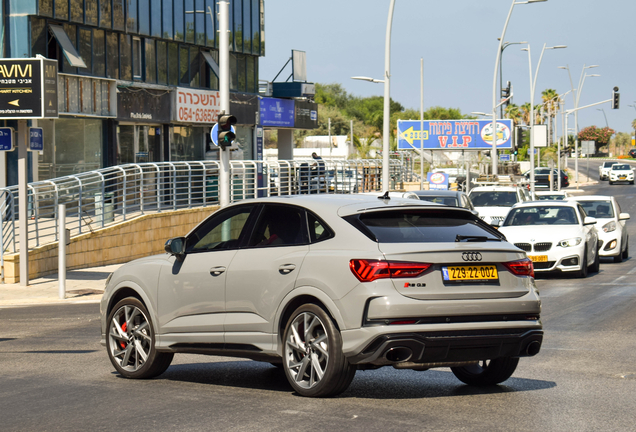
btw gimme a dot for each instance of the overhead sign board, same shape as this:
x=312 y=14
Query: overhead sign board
x=36 y=139
x=437 y=180
x=540 y=135
x=277 y=112
x=28 y=88
x=453 y=134
x=588 y=147
x=195 y=106
x=6 y=139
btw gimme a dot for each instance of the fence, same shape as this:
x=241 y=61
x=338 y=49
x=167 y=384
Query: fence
x=96 y=199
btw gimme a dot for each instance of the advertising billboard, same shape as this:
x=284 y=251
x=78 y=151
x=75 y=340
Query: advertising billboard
x=28 y=88
x=453 y=134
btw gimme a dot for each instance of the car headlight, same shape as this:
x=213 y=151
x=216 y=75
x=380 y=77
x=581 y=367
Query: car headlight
x=570 y=242
x=610 y=226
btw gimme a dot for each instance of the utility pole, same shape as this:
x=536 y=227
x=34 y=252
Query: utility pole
x=224 y=91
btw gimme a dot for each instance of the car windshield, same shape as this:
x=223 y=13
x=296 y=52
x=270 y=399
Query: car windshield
x=621 y=167
x=493 y=198
x=541 y=215
x=551 y=197
x=423 y=226
x=598 y=209
x=446 y=200
x=608 y=164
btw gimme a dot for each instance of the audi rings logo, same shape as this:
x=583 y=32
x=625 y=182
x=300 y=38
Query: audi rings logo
x=471 y=256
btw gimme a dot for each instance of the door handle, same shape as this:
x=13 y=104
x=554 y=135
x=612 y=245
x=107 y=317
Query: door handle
x=286 y=268
x=215 y=271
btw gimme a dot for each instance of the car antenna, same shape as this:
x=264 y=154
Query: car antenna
x=385 y=196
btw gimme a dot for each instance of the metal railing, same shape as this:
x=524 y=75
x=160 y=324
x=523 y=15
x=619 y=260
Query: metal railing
x=99 y=198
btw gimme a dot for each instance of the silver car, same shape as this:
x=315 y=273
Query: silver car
x=325 y=285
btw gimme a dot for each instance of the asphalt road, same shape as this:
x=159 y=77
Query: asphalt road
x=54 y=375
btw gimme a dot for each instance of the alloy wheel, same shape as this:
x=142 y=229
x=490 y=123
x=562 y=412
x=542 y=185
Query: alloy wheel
x=307 y=350
x=129 y=338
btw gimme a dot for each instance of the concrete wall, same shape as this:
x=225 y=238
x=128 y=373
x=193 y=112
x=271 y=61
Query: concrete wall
x=137 y=238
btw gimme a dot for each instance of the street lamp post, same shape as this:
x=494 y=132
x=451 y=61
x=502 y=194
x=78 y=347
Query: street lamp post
x=504 y=46
x=493 y=153
x=533 y=84
x=604 y=115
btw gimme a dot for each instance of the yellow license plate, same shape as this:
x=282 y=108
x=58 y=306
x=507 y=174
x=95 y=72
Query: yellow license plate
x=538 y=258
x=622 y=177
x=470 y=273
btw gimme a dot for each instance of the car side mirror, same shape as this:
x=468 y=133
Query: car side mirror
x=589 y=220
x=623 y=216
x=496 y=223
x=176 y=247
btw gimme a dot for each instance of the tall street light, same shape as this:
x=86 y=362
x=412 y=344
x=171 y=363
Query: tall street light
x=504 y=46
x=533 y=84
x=493 y=153
x=604 y=115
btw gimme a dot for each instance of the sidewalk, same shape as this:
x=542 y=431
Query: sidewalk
x=82 y=285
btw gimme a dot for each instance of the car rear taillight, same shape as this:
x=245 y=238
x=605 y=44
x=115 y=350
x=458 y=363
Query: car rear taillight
x=522 y=267
x=370 y=270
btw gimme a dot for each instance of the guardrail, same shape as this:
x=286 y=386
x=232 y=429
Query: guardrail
x=99 y=198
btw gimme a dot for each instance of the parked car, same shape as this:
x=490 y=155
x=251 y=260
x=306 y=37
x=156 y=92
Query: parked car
x=612 y=232
x=494 y=202
x=343 y=181
x=557 y=236
x=621 y=173
x=604 y=168
x=542 y=178
x=325 y=285
x=632 y=153
x=447 y=197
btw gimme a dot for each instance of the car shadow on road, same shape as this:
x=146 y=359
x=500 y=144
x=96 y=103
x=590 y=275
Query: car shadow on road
x=383 y=383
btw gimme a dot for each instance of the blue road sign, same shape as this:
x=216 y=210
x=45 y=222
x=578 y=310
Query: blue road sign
x=453 y=134
x=36 y=139
x=214 y=134
x=6 y=139
x=504 y=157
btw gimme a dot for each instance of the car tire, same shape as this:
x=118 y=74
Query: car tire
x=583 y=272
x=487 y=373
x=631 y=182
x=130 y=337
x=611 y=182
x=626 y=251
x=619 y=258
x=596 y=265
x=312 y=354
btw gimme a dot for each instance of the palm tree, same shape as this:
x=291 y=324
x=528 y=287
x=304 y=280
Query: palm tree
x=512 y=112
x=525 y=113
x=551 y=102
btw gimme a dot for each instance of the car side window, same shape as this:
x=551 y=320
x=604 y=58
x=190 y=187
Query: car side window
x=582 y=213
x=280 y=225
x=318 y=230
x=221 y=231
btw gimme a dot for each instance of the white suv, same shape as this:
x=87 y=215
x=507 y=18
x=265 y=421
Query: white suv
x=494 y=202
x=604 y=169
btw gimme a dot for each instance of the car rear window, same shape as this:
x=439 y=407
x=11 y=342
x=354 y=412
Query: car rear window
x=493 y=198
x=423 y=226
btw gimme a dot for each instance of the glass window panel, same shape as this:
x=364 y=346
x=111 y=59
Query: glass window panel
x=39 y=34
x=256 y=28
x=195 y=67
x=210 y=22
x=86 y=96
x=61 y=9
x=214 y=80
x=104 y=14
x=261 y=25
x=178 y=20
x=71 y=32
x=251 y=77
x=184 y=76
x=200 y=22
x=189 y=18
x=162 y=62
x=167 y=19
x=112 y=55
x=242 y=79
x=144 y=17
x=118 y=14
x=233 y=72
x=45 y=8
x=77 y=11
x=86 y=49
x=79 y=144
x=173 y=64
x=187 y=143
x=131 y=16
x=231 y=27
x=90 y=9
x=136 y=57
x=238 y=25
x=155 y=14
x=125 y=60
x=151 y=61
x=99 y=59
x=247 y=26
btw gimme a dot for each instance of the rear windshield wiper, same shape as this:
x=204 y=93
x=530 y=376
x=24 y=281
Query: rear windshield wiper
x=469 y=238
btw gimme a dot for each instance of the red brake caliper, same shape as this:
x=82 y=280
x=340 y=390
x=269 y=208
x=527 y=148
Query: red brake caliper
x=122 y=344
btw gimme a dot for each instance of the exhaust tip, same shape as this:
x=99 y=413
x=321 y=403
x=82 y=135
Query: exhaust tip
x=398 y=354
x=533 y=348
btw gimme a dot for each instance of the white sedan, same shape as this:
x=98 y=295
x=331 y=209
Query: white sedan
x=556 y=235
x=612 y=232
x=621 y=173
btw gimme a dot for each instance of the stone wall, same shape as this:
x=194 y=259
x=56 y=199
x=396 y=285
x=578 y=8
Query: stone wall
x=137 y=238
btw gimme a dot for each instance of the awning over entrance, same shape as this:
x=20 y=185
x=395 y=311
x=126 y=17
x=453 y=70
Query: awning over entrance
x=69 y=50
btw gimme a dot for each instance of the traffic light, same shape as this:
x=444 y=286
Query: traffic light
x=226 y=136
x=616 y=97
x=505 y=94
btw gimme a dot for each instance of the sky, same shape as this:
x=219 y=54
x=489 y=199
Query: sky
x=458 y=41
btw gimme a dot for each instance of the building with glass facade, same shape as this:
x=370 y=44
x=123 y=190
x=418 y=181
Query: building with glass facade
x=137 y=79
